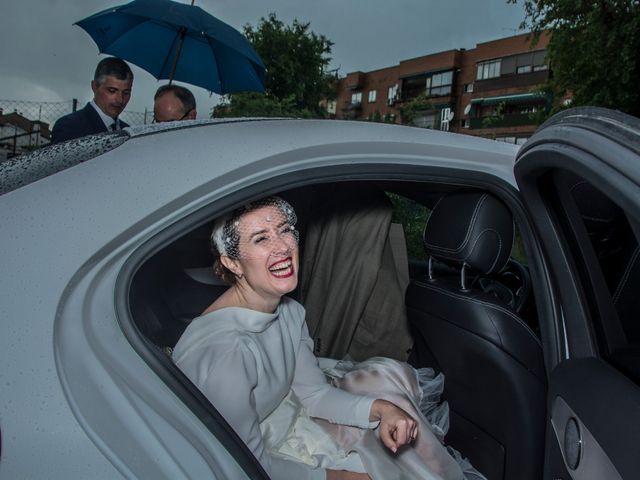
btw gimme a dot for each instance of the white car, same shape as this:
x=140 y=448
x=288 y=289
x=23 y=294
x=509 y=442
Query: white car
x=105 y=260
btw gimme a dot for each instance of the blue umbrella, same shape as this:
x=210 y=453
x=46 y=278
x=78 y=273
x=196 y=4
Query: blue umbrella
x=176 y=41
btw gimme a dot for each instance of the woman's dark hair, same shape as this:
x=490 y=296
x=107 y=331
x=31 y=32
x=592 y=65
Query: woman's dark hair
x=223 y=272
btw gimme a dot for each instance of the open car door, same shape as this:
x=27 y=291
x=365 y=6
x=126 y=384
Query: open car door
x=580 y=180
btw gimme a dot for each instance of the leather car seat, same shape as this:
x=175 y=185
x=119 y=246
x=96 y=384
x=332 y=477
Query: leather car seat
x=170 y=289
x=495 y=381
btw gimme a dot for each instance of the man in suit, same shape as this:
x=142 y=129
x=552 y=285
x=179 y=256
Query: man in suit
x=111 y=87
x=172 y=103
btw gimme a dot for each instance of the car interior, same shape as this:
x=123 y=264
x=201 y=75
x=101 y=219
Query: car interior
x=433 y=274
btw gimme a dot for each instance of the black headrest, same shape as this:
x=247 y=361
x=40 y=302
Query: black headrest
x=470 y=227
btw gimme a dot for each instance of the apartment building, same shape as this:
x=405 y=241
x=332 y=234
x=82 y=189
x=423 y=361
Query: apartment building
x=492 y=90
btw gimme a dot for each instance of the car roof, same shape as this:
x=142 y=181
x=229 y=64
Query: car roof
x=244 y=141
x=241 y=141
x=145 y=177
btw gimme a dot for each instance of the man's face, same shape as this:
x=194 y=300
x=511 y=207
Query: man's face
x=112 y=95
x=169 y=108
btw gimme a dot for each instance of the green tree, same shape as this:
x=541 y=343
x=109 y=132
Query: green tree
x=497 y=115
x=415 y=107
x=297 y=79
x=375 y=117
x=593 y=49
x=413 y=217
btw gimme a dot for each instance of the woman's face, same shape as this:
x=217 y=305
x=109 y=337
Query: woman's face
x=268 y=251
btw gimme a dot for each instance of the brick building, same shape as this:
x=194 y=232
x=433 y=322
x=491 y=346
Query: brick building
x=491 y=90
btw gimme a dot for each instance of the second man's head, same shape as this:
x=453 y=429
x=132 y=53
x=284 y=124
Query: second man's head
x=173 y=103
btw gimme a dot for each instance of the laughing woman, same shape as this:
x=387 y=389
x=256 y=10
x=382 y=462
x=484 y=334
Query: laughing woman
x=251 y=355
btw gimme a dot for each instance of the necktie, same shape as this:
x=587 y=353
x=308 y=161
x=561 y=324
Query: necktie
x=113 y=127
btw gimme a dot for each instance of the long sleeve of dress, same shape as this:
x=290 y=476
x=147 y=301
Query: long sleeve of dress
x=321 y=399
x=229 y=383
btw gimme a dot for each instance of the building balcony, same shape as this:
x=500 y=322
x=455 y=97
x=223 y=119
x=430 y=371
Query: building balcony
x=351 y=111
x=352 y=106
x=355 y=80
x=434 y=99
x=506 y=120
x=510 y=81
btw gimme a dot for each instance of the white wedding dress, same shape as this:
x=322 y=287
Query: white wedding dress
x=259 y=371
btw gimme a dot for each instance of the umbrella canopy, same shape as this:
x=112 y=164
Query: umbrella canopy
x=176 y=41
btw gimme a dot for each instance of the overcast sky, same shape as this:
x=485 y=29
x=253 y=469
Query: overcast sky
x=44 y=57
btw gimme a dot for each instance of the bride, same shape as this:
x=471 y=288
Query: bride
x=251 y=355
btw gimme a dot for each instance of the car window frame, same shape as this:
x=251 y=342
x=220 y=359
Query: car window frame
x=162 y=365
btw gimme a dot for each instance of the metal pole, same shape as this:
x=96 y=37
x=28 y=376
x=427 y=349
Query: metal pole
x=15 y=137
x=39 y=125
x=183 y=32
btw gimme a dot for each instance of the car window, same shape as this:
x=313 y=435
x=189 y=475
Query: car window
x=413 y=217
x=611 y=282
x=518 y=252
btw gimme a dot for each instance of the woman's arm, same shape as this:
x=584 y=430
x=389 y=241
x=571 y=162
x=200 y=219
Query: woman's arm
x=321 y=399
x=397 y=427
x=227 y=377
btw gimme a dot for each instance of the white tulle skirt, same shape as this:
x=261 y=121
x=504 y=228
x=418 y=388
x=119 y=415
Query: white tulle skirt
x=290 y=433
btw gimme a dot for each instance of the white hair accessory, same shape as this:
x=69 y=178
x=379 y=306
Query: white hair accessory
x=226 y=233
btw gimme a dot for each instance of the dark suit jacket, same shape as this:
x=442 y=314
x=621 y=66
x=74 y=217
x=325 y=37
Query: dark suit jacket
x=78 y=124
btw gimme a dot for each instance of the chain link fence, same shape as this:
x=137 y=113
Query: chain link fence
x=31 y=127
x=49 y=112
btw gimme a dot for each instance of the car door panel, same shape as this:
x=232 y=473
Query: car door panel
x=606 y=408
x=594 y=397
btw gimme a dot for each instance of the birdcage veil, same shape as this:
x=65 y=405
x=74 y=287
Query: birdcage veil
x=228 y=229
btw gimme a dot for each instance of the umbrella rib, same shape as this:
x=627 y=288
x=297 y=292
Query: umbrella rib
x=166 y=58
x=215 y=59
x=109 y=45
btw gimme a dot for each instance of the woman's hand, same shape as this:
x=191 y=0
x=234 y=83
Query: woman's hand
x=397 y=427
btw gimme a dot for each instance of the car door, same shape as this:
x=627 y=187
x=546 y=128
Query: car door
x=580 y=179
